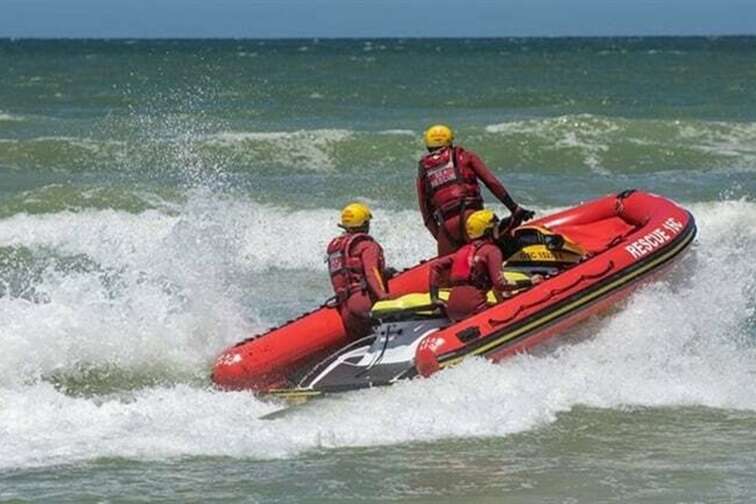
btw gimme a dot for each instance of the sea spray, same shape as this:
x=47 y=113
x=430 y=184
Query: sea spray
x=157 y=292
x=684 y=340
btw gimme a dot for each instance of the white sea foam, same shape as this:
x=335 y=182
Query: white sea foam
x=596 y=137
x=402 y=132
x=685 y=340
x=6 y=117
x=732 y=140
x=89 y=144
x=584 y=133
x=166 y=289
x=120 y=239
x=155 y=290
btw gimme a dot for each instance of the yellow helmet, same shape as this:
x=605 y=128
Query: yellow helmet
x=479 y=222
x=355 y=215
x=438 y=135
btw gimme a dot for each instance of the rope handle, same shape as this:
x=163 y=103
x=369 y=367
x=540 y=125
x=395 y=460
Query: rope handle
x=552 y=293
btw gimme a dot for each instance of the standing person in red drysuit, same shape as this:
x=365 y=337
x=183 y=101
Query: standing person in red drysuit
x=448 y=189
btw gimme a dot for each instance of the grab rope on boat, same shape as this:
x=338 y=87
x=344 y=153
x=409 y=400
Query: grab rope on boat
x=552 y=293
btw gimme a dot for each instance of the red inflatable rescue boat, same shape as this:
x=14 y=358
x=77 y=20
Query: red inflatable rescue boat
x=591 y=256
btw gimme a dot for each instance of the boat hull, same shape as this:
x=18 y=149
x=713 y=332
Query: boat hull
x=630 y=238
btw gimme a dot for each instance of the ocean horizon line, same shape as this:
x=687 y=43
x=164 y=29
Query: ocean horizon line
x=392 y=38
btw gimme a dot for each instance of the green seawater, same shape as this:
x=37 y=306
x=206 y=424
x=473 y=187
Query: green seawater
x=161 y=200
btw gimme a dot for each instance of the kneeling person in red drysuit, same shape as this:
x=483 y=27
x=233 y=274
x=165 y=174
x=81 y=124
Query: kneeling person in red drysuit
x=472 y=271
x=356 y=266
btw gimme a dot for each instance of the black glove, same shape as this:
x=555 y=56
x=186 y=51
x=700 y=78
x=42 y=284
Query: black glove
x=505 y=225
x=434 y=295
x=437 y=301
x=523 y=214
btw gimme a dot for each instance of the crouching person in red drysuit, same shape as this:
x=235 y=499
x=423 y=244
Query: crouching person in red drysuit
x=472 y=271
x=356 y=266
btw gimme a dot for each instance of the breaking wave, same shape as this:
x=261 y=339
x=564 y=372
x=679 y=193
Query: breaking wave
x=607 y=145
x=5 y=117
x=163 y=288
x=111 y=320
x=581 y=143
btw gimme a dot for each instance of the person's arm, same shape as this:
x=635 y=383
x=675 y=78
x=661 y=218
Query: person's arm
x=376 y=284
x=422 y=199
x=436 y=274
x=490 y=181
x=494 y=263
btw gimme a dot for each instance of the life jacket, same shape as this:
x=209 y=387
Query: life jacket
x=466 y=270
x=347 y=271
x=449 y=186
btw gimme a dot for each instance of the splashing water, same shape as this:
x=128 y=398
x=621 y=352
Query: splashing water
x=167 y=293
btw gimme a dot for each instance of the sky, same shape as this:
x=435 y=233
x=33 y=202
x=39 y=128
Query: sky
x=372 y=18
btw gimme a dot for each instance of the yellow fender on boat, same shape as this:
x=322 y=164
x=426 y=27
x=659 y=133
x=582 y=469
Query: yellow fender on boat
x=418 y=300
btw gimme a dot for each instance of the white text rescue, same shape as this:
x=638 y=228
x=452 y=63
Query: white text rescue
x=656 y=238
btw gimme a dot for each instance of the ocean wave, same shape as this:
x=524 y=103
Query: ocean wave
x=685 y=340
x=403 y=132
x=56 y=198
x=263 y=232
x=314 y=136
x=579 y=144
x=610 y=144
x=6 y=117
x=317 y=150
x=58 y=153
x=173 y=285
x=116 y=295
x=306 y=149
